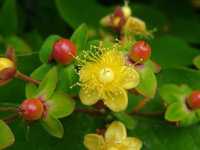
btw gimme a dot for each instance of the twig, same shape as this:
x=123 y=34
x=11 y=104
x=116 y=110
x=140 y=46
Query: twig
x=8 y=109
x=11 y=118
x=90 y=111
x=141 y=105
x=148 y=114
x=26 y=78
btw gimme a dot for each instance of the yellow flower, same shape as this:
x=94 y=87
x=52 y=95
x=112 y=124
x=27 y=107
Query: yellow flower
x=115 y=139
x=106 y=78
x=6 y=63
x=135 y=26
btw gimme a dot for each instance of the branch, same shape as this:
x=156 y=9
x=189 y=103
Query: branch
x=11 y=118
x=141 y=104
x=90 y=111
x=8 y=109
x=26 y=78
x=148 y=114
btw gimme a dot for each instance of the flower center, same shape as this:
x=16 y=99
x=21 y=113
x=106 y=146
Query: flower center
x=106 y=75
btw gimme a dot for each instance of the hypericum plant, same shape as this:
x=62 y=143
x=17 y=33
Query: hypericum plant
x=106 y=76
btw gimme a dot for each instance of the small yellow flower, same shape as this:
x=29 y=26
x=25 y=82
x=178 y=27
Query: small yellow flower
x=115 y=139
x=6 y=63
x=106 y=78
x=135 y=26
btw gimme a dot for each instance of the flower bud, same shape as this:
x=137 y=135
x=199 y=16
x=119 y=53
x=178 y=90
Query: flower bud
x=126 y=11
x=135 y=26
x=7 y=68
x=6 y=63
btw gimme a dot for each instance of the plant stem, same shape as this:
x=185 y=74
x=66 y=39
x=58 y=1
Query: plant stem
x=90 y=111
x=148 y=114
x=8 y=109
x=102 y=111
x=26 y=78
x=141 y=105
x=11 y=118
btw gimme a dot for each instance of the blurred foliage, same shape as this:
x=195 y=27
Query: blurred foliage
x=25 y=24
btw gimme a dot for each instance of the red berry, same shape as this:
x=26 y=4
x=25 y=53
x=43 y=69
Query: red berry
x=32 y=109
x=193 y=100
x=140 y=52
x=64 y=51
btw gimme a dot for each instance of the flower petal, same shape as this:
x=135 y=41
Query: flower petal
x=93 y=142
x=88 y=97
x=131 y=78
x=116 y=101
x=132 y=143
x=116 y=132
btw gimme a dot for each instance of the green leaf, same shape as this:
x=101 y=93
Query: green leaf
x=190 y=26
x=189 y=120
x=68 y=78
x=60 y=105
x=180 y=76
x=20 y=46
x=172 y=93
x=153 y=132
x=154 y=18
x=34 y=39
x=37 y=74
x=47 y=47
x=48 y=84
x=8 y=17
x=90 y=12
x=25 y=64
x=80 y=37
x=126 y=46
x=196 y=61
x=53 y=126
x=6 y=137
x=164 y=136
x=148 y=82
x=129 y=122
x=169 y=51
x=153 y=65
x=183 y=24
x=176 y=112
